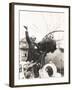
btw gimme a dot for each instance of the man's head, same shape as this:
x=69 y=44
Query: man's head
x=49 y=70
x=33 y=38
x=28 y=70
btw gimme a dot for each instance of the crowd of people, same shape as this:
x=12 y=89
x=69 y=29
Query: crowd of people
x=45 y=60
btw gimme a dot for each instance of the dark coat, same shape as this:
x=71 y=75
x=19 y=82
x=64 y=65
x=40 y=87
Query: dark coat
x=33 y=53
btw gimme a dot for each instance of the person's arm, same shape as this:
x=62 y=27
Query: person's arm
x=27 y=35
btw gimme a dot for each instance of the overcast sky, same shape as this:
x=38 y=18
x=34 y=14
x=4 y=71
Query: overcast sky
x=40 y=23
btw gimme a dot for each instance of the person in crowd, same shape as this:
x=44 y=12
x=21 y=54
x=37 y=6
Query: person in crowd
x=32 y=52
x=46 y=45
x=49 y=70
x=57 y=58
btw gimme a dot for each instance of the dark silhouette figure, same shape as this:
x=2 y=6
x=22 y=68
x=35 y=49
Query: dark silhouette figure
x=32 y=52
x=49 y=71
x=38 y=55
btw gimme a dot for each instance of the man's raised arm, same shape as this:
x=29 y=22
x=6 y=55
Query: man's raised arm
x=27 y=35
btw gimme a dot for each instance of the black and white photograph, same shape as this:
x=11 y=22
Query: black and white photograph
x=41 y=44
